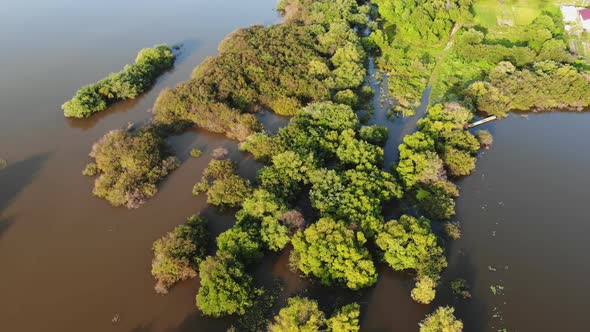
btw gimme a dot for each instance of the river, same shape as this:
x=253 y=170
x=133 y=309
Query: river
x=71 y=262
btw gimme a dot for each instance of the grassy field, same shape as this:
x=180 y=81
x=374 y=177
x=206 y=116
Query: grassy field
x=489 y=13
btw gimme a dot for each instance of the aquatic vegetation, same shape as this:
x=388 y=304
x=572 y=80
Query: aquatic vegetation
x=3 y=164
x=177 y=255
x=485 y=138
x=452 y=230
x=127 y=84
x=196 y=152
x=460 y=288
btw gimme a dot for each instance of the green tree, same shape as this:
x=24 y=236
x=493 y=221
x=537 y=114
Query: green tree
x=334 y=254
x=410 y=244
x=240 y=243
x=424 y=291
x=226 y=289
x=345 y=319
x=222 y=184
x=177 y=255
x=300 y=315
x=441 y=320
x=129 y=166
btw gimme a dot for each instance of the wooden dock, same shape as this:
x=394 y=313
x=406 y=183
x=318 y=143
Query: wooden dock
x=480 y=122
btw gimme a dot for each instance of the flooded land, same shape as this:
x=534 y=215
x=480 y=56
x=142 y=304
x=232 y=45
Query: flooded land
x=72 y=262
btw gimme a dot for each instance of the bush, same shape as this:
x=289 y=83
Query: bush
x=459 y=287
x=442 y=319
x=127 y=84
x=177 y=255
x=129 y=166
x=485 y=138
x=452 y=230
x=91 y=169
x=196 y=153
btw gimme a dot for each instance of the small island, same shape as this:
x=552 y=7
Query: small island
x=130 y=82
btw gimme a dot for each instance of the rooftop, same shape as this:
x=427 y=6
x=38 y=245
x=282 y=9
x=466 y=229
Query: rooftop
x=585 y=13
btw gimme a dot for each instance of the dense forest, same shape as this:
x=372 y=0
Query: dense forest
x=324 y=186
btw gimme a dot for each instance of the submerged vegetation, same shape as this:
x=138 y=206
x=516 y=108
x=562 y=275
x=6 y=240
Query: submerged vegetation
x=129 y=166
x=132 y=81
x=177 y=255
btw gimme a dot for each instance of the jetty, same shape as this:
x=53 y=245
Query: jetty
x=480 y=122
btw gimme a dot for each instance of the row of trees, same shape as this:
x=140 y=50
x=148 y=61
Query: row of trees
x=439 y=149
x=127 y=84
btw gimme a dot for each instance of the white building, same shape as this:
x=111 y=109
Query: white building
x=585 y=18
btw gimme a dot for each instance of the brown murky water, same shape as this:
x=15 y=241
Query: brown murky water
x=71 y=262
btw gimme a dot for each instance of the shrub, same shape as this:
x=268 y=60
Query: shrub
x=177 y=255
x=452 y=230
x=91 y=169
x=485 y=138
x=196 y=153
x=127 y=84
x=459 y=287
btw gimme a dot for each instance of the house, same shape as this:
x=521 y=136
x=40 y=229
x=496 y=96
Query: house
x=585 y=18
x=570 y=14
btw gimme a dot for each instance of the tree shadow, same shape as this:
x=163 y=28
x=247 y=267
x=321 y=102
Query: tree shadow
x=5 y=224
x=187 y=48
x=473 y=311
x=17 y=176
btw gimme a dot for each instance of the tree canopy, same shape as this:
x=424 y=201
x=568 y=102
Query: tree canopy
x=177 y=255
